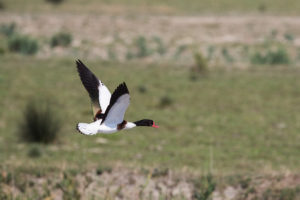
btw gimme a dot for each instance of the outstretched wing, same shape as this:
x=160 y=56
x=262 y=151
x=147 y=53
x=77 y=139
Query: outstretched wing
x=104 y=96
x=98 y=92
x=118 y=105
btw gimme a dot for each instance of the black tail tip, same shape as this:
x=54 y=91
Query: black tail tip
x=77 y=128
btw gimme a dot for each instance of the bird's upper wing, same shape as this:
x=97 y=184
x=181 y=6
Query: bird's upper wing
x=118 y=105
x=104 y=96
x=98 y=92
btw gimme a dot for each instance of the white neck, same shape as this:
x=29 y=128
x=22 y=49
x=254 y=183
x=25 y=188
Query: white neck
x=129 y=125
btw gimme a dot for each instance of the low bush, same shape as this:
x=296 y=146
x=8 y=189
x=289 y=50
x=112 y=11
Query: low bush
x=141 y=45
x=282 y=194
x=2 y=51
x=112 y=53
x=161 y=49
x=272 y=56
x=289 y=37
x=69 y=186
x=204 y=188
x=61 y=39
x=142 y=89
x=179 y=50
x=22 y=44
x=8 y=29
x=101 y=169
x=40 y=123
x=34 y=152
x=262 y=7
x=2 y=5
x=165 y=101
x=54 y=1
x=159 y=172
x=129 y=55
x=227 y=55
x=210 y=52
x=200 y=63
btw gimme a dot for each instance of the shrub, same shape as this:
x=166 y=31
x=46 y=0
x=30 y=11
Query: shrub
x=279 y=56
x=2 y=5
x=245 y=182
x=165 y=101
x=142 y=49
x=159 y=172
x=34 y=152
x=100 y=170
x=55 y=1
x=281 y=194
x=289 y=193
x=210 y=52
x=22 y=44
x=40 y=123
x=2 y=50
x=69 y=186
x=61 y=39
x=200 y=63
x=289 y=37
x=111 y=53
x=142 y=89
x=275 y=56
x=258 y=58
x=180 y=49
x=6 y=177
x=274 y=34
x=160 y=46
x=226 y=55
x=262 y=8
x=200 y=67
x=8 y=29
x=204 y=188
x=129 y=55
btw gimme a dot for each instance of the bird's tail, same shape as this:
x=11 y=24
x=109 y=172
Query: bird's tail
x=86 y=129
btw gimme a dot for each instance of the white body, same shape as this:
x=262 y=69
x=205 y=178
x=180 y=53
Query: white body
x=96 y=127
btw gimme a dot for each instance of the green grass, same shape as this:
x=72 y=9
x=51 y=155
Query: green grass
x=229 y=122
x=289 y=7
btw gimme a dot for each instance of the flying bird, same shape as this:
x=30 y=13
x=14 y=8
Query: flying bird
x=108 y=109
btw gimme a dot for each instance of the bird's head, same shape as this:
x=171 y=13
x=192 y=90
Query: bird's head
x=146 y=122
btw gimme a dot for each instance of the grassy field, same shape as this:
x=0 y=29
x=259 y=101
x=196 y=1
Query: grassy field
x=237 y=125
x=226 y=122
x=290 y=7
x=225 y=92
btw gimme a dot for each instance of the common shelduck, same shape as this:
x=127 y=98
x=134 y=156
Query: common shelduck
x=108 y=109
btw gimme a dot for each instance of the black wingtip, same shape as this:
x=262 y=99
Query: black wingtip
x=89 y=81
x=122 y=89
x=79 y=63
x=82 y=68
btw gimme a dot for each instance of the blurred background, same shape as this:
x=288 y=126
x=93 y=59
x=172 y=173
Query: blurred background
x=221 y=78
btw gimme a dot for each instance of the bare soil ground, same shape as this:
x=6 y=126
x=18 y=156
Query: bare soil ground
x=209 y=29
x=95 y=35
x=120 y=183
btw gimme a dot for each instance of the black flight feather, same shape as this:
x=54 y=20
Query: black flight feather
x=119 y=91
x=89 y=81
